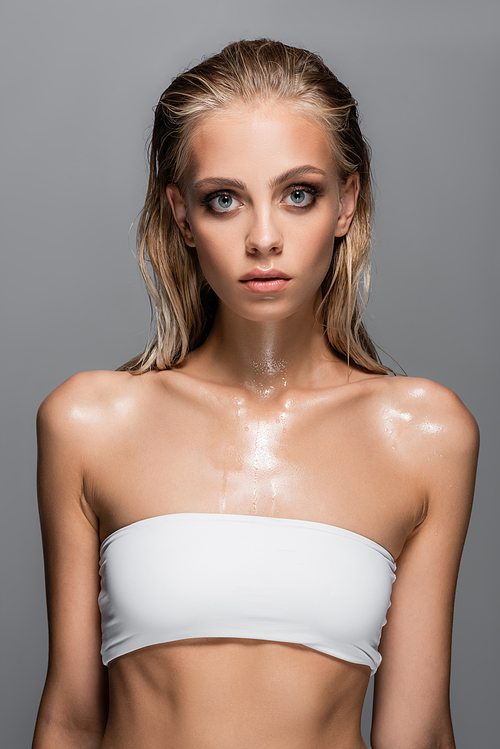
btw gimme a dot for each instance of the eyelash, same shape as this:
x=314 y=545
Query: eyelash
x=311 y=189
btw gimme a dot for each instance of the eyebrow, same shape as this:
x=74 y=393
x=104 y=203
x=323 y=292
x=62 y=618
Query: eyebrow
x=298 y=171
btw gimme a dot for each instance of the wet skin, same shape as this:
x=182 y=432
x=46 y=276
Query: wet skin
x=304 y=454
x=263 y=419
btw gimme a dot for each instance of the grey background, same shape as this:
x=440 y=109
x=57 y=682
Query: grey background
x=80 y=79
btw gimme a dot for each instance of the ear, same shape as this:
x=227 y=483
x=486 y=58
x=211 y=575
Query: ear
x=179 y=209
x=348 y=197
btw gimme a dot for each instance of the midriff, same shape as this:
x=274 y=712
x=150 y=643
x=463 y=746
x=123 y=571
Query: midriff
x=234 y=694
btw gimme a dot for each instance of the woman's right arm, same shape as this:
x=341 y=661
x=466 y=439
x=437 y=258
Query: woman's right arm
x=73 y=708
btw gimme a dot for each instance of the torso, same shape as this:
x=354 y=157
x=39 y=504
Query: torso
x=165 y=443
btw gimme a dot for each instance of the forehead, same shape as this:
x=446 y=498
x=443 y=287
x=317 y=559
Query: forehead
x=258 y=142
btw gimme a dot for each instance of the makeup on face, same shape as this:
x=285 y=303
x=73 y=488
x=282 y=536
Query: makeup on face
x=262 y=204
x=229 y=195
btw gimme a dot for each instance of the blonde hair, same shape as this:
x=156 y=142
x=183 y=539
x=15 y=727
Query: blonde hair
x=184 y=305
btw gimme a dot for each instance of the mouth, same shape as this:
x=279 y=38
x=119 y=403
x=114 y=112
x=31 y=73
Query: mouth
x=260 y=280
x=266 y=284
x=257 y=274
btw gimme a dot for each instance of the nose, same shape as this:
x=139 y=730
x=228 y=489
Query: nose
x=264 y=235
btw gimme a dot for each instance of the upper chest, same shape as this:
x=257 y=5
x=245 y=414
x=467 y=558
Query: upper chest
x=312 y=456
x=302 y=433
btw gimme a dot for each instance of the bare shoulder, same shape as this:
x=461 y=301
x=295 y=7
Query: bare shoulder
x=88 y=418
x=87 y=400
x=429 y=409
x=86 y=388
x=431 y=431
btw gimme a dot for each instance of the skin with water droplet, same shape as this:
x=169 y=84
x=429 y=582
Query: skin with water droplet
x=264 y=418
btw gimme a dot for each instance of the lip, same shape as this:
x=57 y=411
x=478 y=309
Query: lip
x=264 y=274
x=266 y=285
x=265 y=280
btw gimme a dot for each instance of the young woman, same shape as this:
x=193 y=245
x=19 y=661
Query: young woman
x=247 y=485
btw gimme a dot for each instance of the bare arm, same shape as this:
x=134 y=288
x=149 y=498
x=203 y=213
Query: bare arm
x=73 y=708
x=411 y=707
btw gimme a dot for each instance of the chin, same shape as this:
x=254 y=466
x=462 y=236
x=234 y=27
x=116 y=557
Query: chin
x=267 y=311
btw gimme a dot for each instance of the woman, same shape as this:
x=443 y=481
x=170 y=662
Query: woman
x=249 y=482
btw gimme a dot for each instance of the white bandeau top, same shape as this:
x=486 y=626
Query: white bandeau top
x=186 y=575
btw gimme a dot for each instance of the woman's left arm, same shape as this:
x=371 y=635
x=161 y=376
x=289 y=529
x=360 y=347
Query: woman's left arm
x=411 y=704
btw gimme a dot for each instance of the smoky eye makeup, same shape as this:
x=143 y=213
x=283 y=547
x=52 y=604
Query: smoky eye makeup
x=298 y=197
x=302 y=196
x=220 y=201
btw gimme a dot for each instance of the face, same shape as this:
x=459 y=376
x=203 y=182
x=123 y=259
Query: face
x=262 y=207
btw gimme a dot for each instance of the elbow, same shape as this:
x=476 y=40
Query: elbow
x=67 y=729
x=432 y=738
x=56 y=735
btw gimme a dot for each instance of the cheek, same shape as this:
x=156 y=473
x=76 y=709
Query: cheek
x=317 y=241
x=215 y=248
x=319 y=266
x=317 y=253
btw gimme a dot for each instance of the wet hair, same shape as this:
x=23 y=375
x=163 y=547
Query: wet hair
x=249 y=72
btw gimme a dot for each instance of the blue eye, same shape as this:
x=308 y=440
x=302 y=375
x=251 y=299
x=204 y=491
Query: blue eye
x=300 y=197
x=222 y=202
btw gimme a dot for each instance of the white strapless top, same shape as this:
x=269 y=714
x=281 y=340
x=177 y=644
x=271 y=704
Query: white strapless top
x=186 y=575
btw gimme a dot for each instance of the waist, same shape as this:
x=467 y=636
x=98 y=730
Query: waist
x=227 y=692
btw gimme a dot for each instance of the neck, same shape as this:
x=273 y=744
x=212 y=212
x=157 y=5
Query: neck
x=267 y=357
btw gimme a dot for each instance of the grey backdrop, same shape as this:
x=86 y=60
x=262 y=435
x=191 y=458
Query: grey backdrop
x=80 y=79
